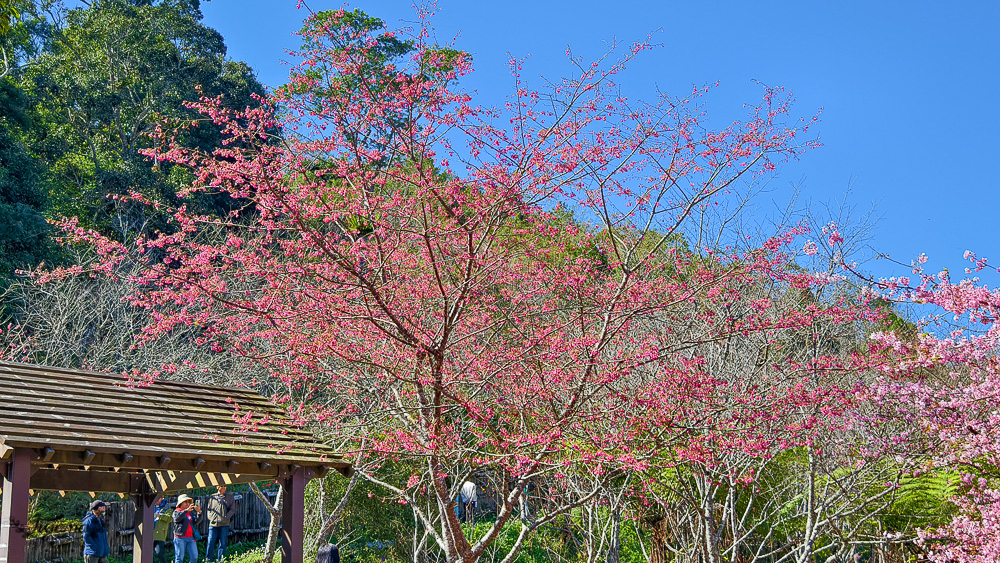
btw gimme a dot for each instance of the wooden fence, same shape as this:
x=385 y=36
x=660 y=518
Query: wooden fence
x=250 y=522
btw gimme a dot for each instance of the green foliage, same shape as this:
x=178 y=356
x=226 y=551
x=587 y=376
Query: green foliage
x=9 y=15
x=111 y=559
x=24 y=234
x=49 y=506
x=371 y=526
x=242 y=552
x=248 y=554
x=380 y=69
x=924 y=501
x=383 y=49
x=27 y=29
x=52 y=513
x=558 y=542
x=48 y=527
x=114 y=72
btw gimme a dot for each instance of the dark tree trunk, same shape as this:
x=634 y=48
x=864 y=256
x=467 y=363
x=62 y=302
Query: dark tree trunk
x=658 y=552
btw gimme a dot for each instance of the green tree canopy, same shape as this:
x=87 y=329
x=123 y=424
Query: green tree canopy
x=111 y=74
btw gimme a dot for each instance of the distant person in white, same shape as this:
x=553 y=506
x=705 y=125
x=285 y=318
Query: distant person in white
x=468 y=498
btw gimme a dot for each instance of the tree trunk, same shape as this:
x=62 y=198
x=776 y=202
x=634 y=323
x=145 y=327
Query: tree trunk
x=330 y=521
x=275 y=511
x=614 y=545
x=658 y=552
x=710 y=531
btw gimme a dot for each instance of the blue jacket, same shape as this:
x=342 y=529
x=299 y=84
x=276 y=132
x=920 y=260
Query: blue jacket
x=95 y=536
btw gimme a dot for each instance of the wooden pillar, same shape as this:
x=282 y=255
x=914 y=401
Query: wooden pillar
x=14 y=518
x=142 y=539
x=292 y=516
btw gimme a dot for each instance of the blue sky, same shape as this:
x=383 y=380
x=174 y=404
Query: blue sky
x=908 y=89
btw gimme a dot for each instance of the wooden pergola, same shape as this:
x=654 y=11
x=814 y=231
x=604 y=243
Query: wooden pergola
x=72 y=430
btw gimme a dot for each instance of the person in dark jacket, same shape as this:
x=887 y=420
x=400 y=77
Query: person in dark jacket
x=329 y=553
x=185 y=515
x=95 y=534
x=220 y=509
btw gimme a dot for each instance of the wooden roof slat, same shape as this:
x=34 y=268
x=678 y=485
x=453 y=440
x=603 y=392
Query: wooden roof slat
x=76 y=410
x=99 y=377
x=140 y=397
x=58 y=408
x=222 y=395
x=112 y=460
x=96 y=400
x=223 y=420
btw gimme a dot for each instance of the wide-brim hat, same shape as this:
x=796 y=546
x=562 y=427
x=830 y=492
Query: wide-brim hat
x=183 y=498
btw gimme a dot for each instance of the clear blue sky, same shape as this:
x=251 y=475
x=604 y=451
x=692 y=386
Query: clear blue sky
x=909 y=90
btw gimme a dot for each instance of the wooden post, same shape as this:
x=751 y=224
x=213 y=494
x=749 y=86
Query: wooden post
x=292 y=516
x=142 y=538
x=14 y=519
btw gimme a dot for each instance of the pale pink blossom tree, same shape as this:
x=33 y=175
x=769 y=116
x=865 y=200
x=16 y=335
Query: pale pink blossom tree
x=944 y=380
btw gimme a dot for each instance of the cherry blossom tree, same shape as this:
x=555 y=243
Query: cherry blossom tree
x=798 y=483
x=492 y=293
x=945 y=380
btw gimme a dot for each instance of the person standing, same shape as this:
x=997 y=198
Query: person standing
x=185 y=515
x=221 y=507
x=161 y=525
x=95 y=534
x=469 y=496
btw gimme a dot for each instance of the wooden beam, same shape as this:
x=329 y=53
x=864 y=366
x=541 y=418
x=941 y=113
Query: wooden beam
x=14 y=513
x=170 y=481
x=292 y=516
x=134 y=482
x=142 y=538
x=89 y=481
x=138 y=462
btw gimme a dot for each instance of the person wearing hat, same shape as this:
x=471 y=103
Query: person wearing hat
x=95 y=534
x=185 y=515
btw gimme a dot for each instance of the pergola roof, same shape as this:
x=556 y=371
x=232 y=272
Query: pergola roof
x=92 y=429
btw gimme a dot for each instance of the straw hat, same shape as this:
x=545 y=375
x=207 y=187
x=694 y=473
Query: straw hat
x=181 y=499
